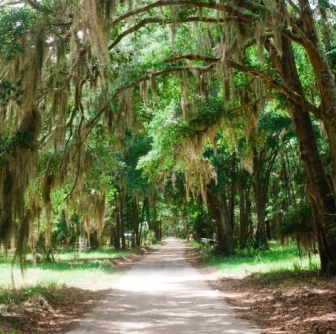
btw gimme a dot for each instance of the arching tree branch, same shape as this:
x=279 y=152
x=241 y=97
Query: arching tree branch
x=294 y=96
x=153 y=20
x=257 y=74
x=234 y=10
x=144 y=78
x=245 y=10
x=193 y=57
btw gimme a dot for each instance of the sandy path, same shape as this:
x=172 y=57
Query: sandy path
x=163 y=293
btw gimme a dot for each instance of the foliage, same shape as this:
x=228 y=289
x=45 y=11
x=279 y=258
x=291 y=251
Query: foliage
x=138 y=148
x=15 y=22
x=131 y=107
x=65 y=233
x=297 y=224
x=297 y=220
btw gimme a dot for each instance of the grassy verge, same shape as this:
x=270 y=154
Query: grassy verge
x=276 y=260
x=72 y=269
x=70 y=286
x=67 y=284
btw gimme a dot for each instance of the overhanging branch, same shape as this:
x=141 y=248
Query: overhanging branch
x=292 y=95
x=144 y=78
x=257 y=74
x=162 y=22
x=236 y=11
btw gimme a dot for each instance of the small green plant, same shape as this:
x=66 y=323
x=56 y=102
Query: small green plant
x=258 y=258
x=148 y=237
x=313 y=266
x=314 y=281
x=297 y=267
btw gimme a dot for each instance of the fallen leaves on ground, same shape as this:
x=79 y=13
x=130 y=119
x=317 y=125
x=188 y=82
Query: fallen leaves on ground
x=300 y=303
x=65 y=305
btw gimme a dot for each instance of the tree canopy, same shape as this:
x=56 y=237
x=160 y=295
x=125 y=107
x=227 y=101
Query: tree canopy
x=223 y=109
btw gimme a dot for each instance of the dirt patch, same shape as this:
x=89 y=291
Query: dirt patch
x=302 y=303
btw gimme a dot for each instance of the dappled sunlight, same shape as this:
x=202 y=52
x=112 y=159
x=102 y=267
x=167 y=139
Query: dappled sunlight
x=324 y=317
x=164 y=294
x=150 y=312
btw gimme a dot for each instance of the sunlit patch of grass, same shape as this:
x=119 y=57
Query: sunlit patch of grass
x=99 y=254
x=72 y=269
x=70 y=274
x=276 y=259
x=80 y=277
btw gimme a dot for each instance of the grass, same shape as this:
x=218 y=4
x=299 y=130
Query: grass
x=13 y=297
x=71 y=269
x=276 y=260
x=71 y=273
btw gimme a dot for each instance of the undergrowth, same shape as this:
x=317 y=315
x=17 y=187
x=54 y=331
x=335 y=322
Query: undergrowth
x=278 y=259
x=16 y=296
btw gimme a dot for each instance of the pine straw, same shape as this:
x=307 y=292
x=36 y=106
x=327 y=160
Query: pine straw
x=288 y=303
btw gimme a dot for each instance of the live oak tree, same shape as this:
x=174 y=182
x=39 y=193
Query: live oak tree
x=75 y=67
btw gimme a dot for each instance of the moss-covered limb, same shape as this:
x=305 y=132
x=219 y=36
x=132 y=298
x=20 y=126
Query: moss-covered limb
x=247 y=14
x=163 y=22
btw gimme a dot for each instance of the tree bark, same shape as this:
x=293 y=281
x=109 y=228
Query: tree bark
x=260 y=200
x=225 y=238
x=244 y=211
x=135 y=211
x=324 y=77
x=116 y=231
x=320 y=193
x=122 y=225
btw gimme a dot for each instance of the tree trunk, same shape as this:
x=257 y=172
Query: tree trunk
x=232 y=192
x=260 y=200
x=116 y=232
x=93 y=239
x=244 y=211
x=122 y=225
x=142 y=219
x=135 y=210
x=155 y=221
x=260 y=182
x=160 y=230
x=324 y=77
x=320 y=194
x=224 y=230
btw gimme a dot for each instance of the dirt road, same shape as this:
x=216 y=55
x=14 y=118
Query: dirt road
x=163 y=293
